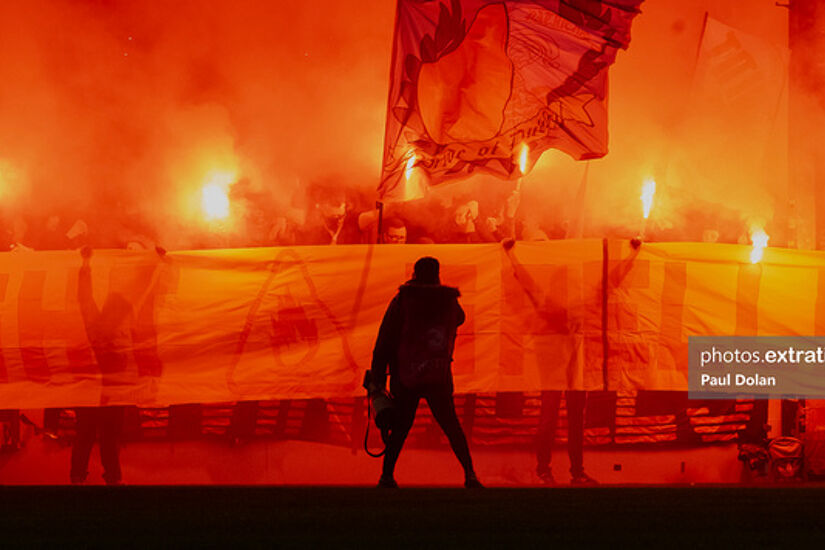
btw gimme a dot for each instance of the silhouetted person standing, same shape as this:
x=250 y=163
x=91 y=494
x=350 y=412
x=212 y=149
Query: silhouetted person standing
x=104 y=424
x=546 y=435
x=108 y=331
x=416 y=342
x=545 y=309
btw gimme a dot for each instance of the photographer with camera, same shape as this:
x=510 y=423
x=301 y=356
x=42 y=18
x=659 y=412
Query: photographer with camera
x=416 y=342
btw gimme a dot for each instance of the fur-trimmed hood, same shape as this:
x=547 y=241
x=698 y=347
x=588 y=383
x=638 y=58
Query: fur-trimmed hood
x=413 y=288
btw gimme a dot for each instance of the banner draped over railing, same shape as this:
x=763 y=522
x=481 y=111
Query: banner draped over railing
x=295 y=323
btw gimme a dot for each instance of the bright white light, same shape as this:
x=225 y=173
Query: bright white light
x=410 y=165
x=522 y=161
x=648 y=190
x=215 y=196
x=760 y=241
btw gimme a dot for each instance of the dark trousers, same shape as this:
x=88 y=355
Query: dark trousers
x=104 y=424
x=440 y=400
x=548 y=421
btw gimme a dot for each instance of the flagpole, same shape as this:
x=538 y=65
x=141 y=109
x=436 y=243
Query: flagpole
x=393 y=56
x=669 y=142
x=696 y=58
x=699 y=45
x=783 y=92
x=380 y=206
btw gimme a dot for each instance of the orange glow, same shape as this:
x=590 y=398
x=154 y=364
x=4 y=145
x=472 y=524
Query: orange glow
x=760 y=241
x=4 y=184
x=648 y=190
x=522 y=161
x=11 y=181
x=215 y=196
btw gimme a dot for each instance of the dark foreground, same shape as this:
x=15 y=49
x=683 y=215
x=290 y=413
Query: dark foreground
x=331 y=517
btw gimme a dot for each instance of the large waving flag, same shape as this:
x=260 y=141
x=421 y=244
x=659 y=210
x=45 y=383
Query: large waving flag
x=475 y=81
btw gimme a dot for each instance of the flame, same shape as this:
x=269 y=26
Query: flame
x=522 y=160
x=215 y=196
x=410 y=165
x=760 y=241
x=648 y=190
x=413 y=187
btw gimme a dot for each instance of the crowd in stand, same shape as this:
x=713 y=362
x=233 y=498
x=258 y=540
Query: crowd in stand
x=324 y=215
x=328 y=213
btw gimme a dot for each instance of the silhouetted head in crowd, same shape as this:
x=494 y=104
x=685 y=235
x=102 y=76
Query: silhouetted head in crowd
x=465 y=216
x=395 y=231
x=426 y=270
x=330 y=202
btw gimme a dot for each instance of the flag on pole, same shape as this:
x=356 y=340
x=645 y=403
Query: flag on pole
x=472 y=81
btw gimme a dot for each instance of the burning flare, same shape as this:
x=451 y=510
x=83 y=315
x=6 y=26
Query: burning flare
x=410 y=165
x=760 y=240
x=522 y=160
x=648 y=190
x=413 y=188
x=215 y=196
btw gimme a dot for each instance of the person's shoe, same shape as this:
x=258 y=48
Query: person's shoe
x=78 y=479
x=112 y=480
x=472 y=482
x=546 y=476
x=387 y=482
x=582 y=479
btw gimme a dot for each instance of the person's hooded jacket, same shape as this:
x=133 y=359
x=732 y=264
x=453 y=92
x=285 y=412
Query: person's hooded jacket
x=417 y=336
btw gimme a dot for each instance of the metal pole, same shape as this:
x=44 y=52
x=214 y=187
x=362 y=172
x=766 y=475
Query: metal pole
x=380 y=206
